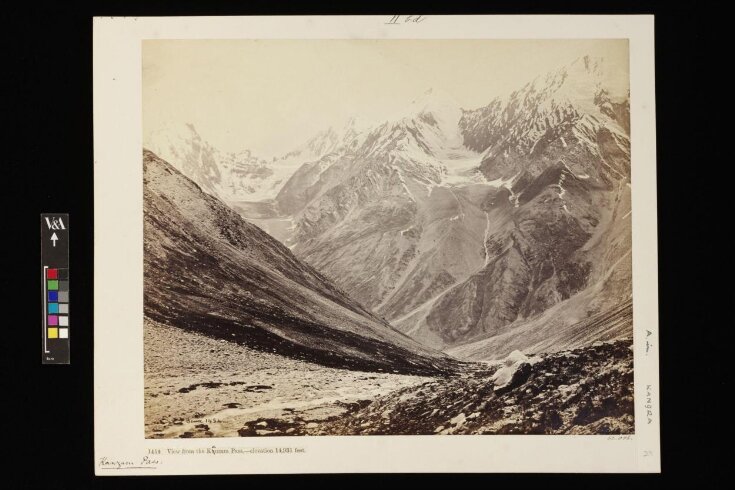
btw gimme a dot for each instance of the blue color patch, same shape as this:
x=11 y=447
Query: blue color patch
x=53 y=295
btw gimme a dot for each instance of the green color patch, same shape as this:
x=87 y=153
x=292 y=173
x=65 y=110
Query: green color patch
x=53 y=285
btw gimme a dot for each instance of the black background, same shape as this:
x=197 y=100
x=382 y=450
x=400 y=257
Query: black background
x=47 y=164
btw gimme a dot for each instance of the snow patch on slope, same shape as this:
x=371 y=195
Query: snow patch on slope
x=510 y=365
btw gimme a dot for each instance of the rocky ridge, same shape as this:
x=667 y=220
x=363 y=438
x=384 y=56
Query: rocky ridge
x=206 y=269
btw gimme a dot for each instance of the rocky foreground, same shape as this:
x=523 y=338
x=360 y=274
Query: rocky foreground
x=214 y=388
x=582 y=391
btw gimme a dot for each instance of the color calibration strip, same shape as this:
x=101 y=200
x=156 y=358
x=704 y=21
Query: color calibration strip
x=57 y=306
x=55 y=266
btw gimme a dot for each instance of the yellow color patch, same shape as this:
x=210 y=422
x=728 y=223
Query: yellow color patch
x=53 y=333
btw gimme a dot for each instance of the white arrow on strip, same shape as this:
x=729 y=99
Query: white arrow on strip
x=54 y=238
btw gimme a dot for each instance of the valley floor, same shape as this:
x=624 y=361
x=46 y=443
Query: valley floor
x=196 y=386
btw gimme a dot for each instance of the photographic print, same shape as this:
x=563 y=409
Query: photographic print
x=375 y=244
x=386 y=237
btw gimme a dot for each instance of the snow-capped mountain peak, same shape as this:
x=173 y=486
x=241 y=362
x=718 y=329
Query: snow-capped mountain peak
x=241 y=175
x=434 y=101
x=575 y=104
x=434 y=107
x=427 y=125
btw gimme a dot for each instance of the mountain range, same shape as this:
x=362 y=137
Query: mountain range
x=208 y=270
x=242 y=175
x=476 y=232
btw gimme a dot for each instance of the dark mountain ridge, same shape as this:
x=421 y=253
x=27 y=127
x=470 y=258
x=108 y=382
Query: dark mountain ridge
x=209 y=270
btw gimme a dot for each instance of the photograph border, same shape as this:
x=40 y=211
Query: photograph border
x=118 y=241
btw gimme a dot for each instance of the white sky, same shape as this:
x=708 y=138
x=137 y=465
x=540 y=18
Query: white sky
x=270 y=95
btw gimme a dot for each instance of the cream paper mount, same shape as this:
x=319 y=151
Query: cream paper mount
x=375 y=244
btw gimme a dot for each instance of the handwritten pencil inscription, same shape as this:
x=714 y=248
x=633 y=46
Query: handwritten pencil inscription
x=405 y=19
x=127 y=464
